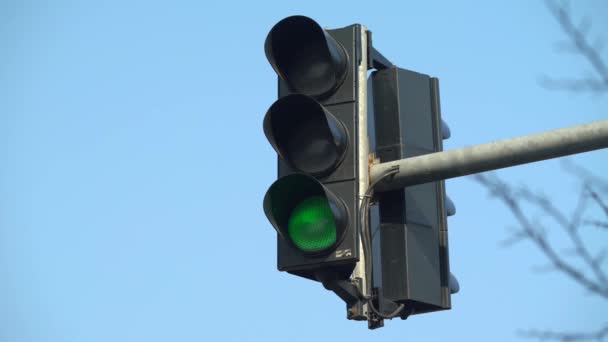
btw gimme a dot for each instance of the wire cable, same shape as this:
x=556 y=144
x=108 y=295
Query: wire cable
x=367 y=246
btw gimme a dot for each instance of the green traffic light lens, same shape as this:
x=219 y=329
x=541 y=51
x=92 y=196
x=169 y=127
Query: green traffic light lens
x=311 y=225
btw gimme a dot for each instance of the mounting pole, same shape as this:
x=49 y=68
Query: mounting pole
x=493 y=155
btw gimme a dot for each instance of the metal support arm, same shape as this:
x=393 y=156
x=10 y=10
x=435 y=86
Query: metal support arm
x=493 y=155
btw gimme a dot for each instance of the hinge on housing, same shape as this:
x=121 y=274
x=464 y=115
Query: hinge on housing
x=375 y=60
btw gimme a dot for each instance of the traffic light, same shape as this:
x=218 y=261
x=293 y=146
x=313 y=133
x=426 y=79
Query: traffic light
x=315 y=128
x=319 y=203
x=412 y=244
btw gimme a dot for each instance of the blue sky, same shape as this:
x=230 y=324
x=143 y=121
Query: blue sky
x=133 y=166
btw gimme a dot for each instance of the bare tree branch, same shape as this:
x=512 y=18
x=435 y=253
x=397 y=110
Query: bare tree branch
x=533 y=232
x=549 y=335
x=581 y=85
x=599 y=201
x=597 y=223
x=516 y=236
x=590 y=275
x=577 y=35
x=571 y=225
x=599 y=258
x=598 y=183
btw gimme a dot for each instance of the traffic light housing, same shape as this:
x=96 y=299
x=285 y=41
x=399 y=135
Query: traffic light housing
x=314 y=127
x=318 y=205
x=413 y=239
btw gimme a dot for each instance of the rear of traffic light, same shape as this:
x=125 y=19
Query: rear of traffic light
x=413 y=246
x=313 y=127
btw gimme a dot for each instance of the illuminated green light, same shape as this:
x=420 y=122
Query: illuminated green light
x=311 y=225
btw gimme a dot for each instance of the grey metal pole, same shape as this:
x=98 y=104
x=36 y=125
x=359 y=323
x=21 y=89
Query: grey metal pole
x=493 y=155
x=359 y=310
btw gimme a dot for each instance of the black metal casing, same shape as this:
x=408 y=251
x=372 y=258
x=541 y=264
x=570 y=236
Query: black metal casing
x=413 y=244
x=343 y=105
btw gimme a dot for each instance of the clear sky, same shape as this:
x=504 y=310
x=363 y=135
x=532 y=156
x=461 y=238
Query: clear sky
x=133 y=166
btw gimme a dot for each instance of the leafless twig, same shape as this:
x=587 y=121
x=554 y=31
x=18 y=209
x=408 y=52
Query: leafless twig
x=590 y=275
x=599 y=184
x=571 y=225
x=549 y=335
x=599 y=201
x=578 y=43
x=598 y=284
x=597 y=223
x=531 y=230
